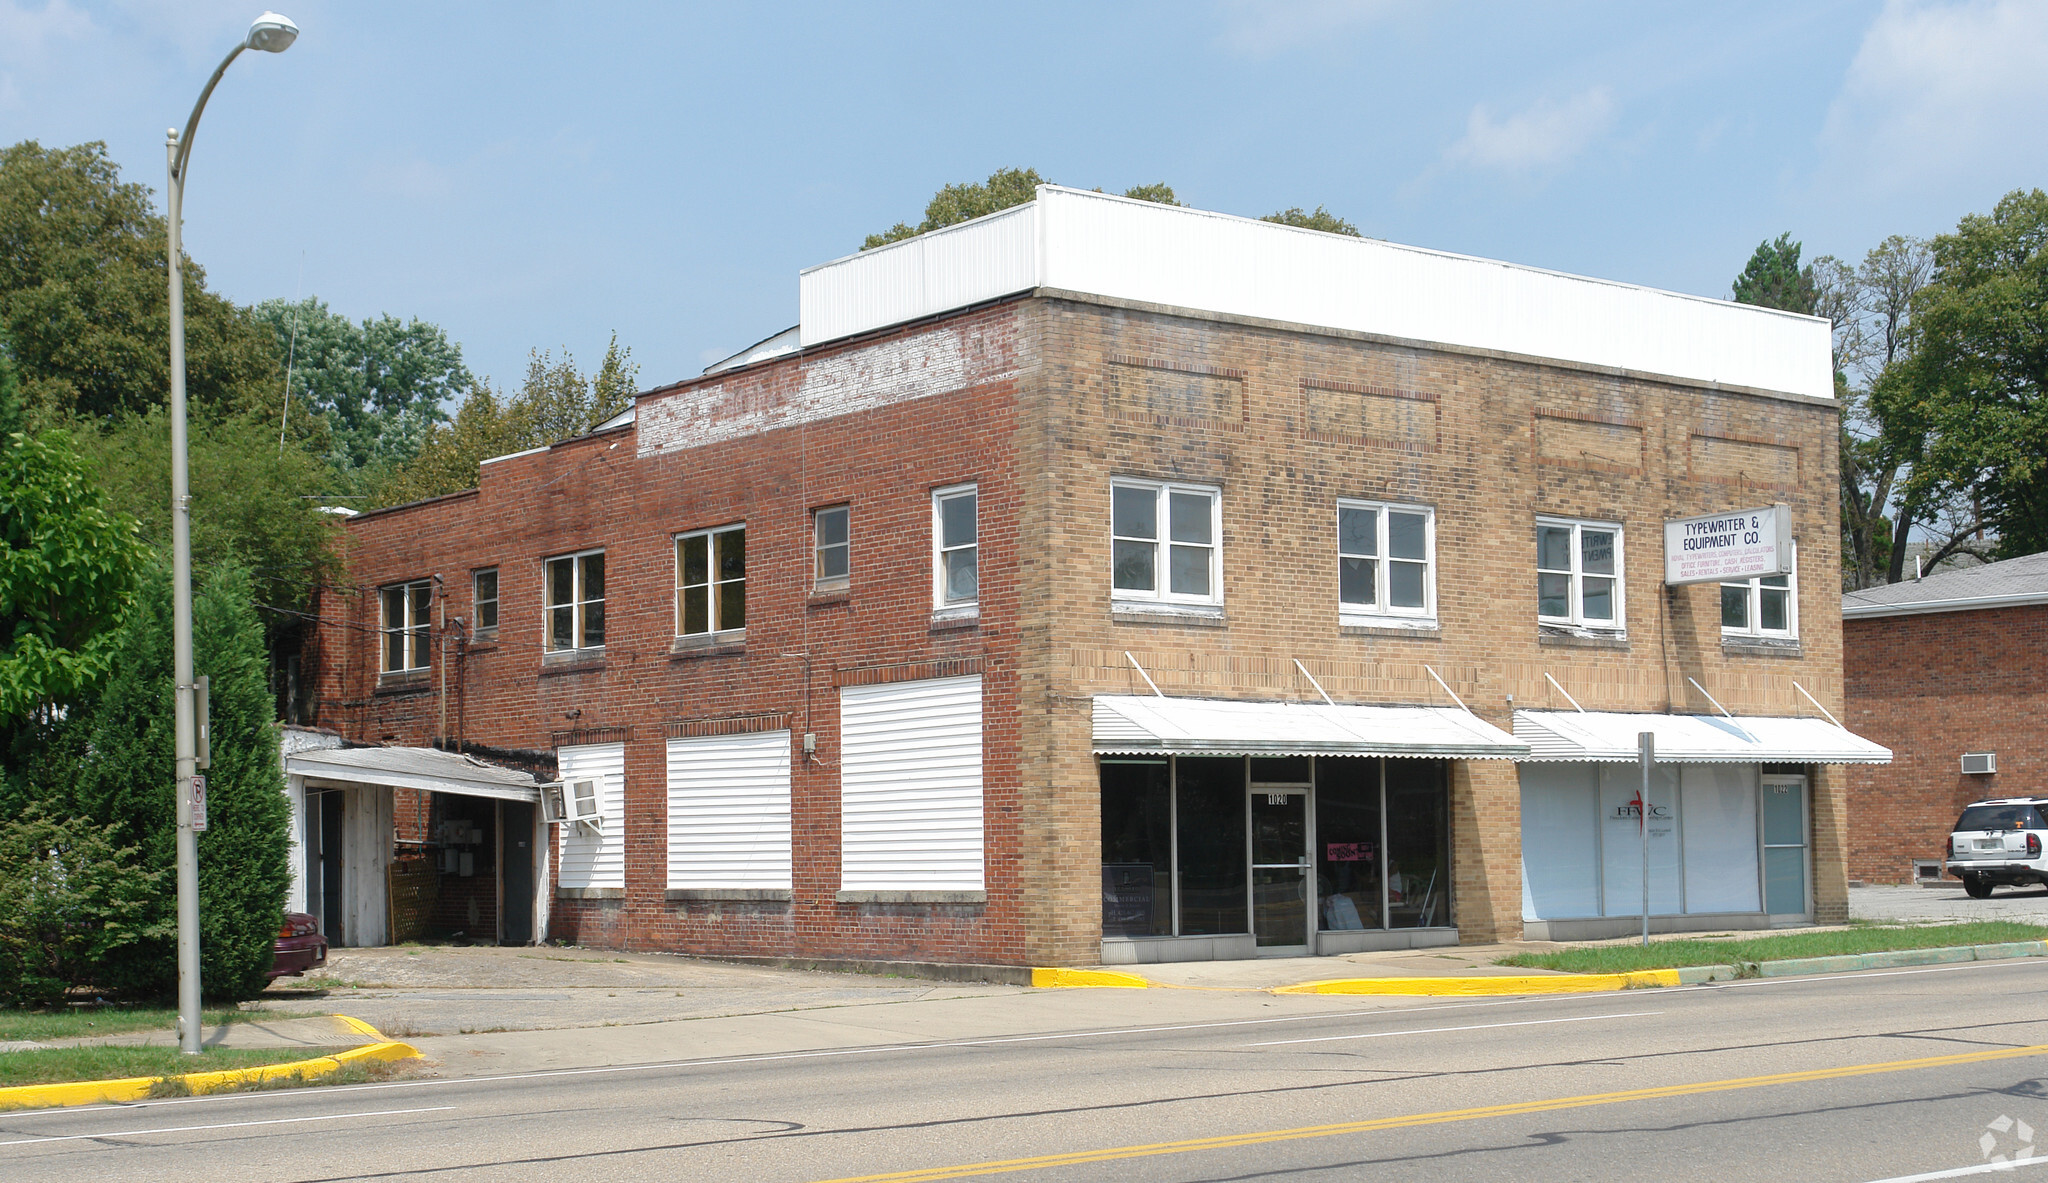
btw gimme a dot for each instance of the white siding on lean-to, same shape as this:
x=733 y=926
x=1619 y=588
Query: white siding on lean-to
x=910 y=786
x=595 y=860
x=728 y=811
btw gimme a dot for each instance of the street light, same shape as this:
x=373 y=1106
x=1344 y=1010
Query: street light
x=270 y=33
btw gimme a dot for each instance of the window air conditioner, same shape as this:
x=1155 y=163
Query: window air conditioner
x=574 y=802
x=1980 y=763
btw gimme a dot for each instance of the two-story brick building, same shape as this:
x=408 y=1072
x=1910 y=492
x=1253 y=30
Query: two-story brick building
x=1103 y=581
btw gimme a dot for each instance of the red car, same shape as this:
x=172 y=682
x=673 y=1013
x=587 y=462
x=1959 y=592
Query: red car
x=299 y=946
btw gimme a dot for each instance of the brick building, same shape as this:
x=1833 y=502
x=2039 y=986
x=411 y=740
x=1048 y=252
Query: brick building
x=1938 y=668
x=1099 y=581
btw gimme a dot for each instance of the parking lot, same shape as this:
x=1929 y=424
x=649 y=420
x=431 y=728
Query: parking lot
x=1948 y=903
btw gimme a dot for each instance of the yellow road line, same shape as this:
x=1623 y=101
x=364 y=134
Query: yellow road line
x=1229 y=1141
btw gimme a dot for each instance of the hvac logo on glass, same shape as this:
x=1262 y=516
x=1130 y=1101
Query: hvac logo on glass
x=1995 y=1137
x=1631 y=810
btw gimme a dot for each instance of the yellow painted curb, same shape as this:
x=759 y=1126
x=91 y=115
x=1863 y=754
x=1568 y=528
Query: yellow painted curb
x=1083 y=978
x=136 y=1088
x=1557 y=984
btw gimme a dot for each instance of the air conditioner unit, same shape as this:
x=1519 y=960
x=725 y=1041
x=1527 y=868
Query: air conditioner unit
x=1980 y=763
x=573 y=801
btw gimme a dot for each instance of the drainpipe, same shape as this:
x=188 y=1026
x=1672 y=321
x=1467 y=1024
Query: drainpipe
x=441 y=637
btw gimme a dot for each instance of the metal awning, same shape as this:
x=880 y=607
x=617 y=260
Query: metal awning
x=1137 y=725
x=1610 y=736
x=429 y=769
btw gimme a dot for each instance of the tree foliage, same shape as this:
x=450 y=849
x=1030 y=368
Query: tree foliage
x=68 y=567
x=1773 y=278
x=555 y=402
x=1004 y=188
x=71 y=902
x=84 y=300
x=380 y=384
x=1976 y=382
x=1316 y=219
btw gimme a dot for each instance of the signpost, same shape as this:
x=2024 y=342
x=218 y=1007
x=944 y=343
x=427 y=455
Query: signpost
x=1646 y=755
x=1742 y=544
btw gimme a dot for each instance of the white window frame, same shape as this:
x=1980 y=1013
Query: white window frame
x=1754 y=589
x=1577 y=619
x=819 y=580
x=940 y=551
x=415 y=651
x=1381 y=611
x=477 y=600
x=1162 y=543
x=579 y=624
x=713 y=585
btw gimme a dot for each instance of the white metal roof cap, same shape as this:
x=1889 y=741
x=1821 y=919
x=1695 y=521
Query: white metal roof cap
x=1610 y=736
x=429 y=769
x=1137 y=725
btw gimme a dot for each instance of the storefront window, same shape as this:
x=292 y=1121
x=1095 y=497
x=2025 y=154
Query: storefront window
x=1348 y=842
x=1418 y=845
x=1213 y=871
x=1137 y=850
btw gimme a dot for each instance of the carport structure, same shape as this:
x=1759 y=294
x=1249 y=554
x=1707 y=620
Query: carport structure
x=487 y=843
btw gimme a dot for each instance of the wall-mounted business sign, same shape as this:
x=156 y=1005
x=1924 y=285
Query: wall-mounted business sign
x=1739 y=545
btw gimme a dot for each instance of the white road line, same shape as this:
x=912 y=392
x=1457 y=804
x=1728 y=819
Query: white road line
x=226 y=1125
x=1989 y=1168
x=1634 y=1014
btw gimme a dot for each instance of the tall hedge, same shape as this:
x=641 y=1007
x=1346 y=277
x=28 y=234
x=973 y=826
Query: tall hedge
x=124 y=780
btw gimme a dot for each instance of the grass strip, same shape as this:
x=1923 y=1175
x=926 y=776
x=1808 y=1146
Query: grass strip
x=59 y=1065
x=1674 y=954
x=86 y=1022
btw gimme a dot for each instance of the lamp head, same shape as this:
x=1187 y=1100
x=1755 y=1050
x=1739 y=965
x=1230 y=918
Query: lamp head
x=272 y=33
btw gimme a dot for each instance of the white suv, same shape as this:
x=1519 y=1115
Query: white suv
x=1999 y=842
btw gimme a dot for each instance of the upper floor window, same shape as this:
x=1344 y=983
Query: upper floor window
x=1165 y=542
x=956 y=544
x=711 y=581
x=832 y=547
x=1767 y=606
x=483 y=601
x=575 y=601
x=1578 y=574
x=405 y=609
x=1386 y=561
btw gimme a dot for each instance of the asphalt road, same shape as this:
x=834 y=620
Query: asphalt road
x=1871 y=1076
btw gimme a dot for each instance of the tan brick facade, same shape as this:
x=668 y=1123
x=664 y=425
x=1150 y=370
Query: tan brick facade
x=1055 y=397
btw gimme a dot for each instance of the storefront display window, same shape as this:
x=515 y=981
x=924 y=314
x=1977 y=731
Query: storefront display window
x=1210 y=806
x=1137 y=848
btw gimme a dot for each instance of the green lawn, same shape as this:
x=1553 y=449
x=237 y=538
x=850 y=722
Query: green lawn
x=58 y=1065
x=1672 y=954
x=78 y=1022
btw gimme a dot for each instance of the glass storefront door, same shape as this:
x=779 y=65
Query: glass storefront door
x=1784 y=834
x=1281 y=897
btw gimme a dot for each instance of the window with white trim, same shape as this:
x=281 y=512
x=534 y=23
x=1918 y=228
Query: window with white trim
x=956 y=546
x=1166 y=542
x=406 y=609
x=832 y=547
x=1386 y=562
x=1766 y=607
x=574 y=586
x=711 y=581
x=1579 y=574
x=483 y=601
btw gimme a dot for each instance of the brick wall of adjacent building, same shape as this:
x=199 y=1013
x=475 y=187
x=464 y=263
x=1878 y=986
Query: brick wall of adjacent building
x=1931 y=687
x=1043 y=401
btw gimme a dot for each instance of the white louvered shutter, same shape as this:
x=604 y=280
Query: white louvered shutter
x=595 y=860
x=910 y=786
x=728 y=811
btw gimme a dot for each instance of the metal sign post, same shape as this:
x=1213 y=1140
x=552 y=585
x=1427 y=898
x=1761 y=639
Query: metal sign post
x=1646 y=755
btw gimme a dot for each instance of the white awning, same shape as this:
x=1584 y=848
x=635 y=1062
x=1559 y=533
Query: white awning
x=1137 y=725
x=1610 y=736
x=428 y=769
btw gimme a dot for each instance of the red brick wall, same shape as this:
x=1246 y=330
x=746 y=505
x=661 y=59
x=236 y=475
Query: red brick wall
x=1931 y=687
x=615 y=491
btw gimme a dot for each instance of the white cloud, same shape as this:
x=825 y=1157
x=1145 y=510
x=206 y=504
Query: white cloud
x=1262 y=28
x=1950 y=93
x=1543 y=135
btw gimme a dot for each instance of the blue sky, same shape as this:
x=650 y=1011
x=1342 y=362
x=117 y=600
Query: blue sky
x=540 y=175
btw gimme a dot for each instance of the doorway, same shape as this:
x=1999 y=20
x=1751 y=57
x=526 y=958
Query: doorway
x=324 y=863
x=1782 y=819
x=515 y=870
x=1283 y=896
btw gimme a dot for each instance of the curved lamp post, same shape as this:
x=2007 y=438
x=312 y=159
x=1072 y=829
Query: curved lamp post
x=272 y=34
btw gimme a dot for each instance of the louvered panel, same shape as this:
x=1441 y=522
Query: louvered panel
x=910 y=786
x=728 y=811
x=595 y=860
